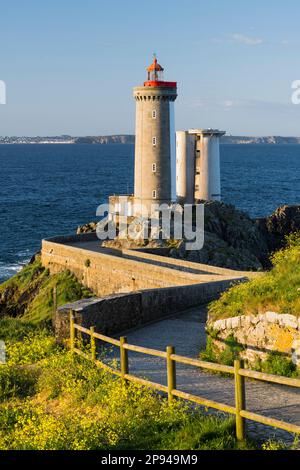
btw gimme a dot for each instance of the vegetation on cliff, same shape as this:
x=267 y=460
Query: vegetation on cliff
x=29 y=293
x=277 y=290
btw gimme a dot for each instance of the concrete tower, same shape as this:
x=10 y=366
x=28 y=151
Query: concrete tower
x=198 y=165
x=207 y=167
x=155 y=160
x=185 y=167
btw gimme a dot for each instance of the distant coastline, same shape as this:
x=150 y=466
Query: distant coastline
x=129 y=139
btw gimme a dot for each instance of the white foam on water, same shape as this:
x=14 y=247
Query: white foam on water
x=8 y=270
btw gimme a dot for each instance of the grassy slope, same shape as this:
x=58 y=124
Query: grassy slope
x=30 y=292
x=277 y=290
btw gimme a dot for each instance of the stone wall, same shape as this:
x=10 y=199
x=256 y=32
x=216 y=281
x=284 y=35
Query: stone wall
x=260 y=335
x=118 y=312
x=107 y=271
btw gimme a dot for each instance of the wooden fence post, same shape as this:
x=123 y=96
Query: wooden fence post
x=124 y=358
x=72 y=332
x=54 y=304
x=93 y=344
x=240 y=400
x=171 y=372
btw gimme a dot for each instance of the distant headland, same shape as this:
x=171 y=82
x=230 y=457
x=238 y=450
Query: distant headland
x=129 y=139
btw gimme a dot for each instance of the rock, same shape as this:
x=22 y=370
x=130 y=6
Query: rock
x=235 y=322
x=288 y=321
x=231 y=240
x=219 y=325
x=285 y=220
x=272 y=317
x=296 y=352
x=246 y=321
x=87 y=228
x=259 y=334
x=254 y=319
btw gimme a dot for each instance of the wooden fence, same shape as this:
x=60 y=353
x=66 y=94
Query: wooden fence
x=237 y=371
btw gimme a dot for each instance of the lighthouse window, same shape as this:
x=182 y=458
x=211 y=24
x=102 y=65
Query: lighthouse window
x=153 y=141
x=154 y=114
x=154 y=194
x=153 y=167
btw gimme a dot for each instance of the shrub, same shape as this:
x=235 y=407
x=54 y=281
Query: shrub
x=32 y=348
x=227 y=355
x=13 y=329
x=17 y=381
x=277 y=364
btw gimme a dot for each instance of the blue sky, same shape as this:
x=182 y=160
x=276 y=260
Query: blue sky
x=69 y=66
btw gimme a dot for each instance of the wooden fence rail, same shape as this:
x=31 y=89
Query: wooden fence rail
x=238 y=372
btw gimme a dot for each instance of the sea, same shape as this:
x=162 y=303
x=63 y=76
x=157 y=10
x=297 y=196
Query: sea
x=50 y=189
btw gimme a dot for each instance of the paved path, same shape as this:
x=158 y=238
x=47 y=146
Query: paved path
x=186 y=331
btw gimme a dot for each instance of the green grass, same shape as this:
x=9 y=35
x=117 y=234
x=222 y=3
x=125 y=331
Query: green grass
x=30 y=292
x=277 y=290
x=277 y=364
x=50 y=399
x=231 y=351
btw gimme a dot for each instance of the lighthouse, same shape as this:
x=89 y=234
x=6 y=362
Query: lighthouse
x=169 y=167
x=155 y=159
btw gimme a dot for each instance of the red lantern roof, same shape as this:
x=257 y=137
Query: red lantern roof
x=155 y=66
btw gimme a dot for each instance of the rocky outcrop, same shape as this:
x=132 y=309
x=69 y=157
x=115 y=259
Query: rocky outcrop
x=232 y=239
x=285 y=220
